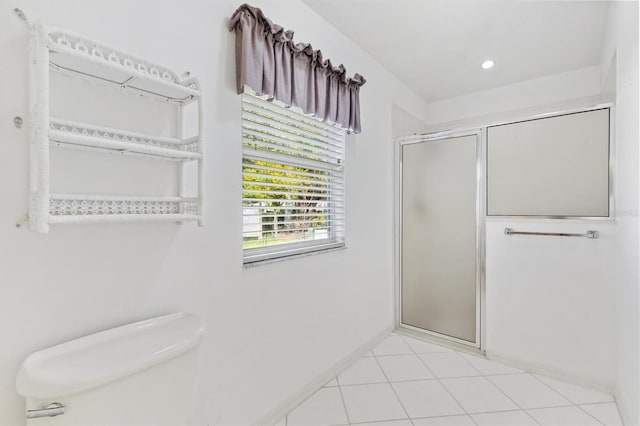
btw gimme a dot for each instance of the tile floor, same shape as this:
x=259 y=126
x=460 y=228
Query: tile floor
x=406 y=381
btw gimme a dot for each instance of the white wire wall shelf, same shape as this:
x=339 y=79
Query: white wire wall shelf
x=78 y=57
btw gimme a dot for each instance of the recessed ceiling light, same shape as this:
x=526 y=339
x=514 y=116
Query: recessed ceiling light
x=488 y=64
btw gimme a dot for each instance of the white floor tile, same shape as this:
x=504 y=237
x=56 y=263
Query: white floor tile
x=562 y=416
x=363 y=371
x=444 y=421
x=426 y=398
x=488 y=367
x=420 y=346
x=331 y=384
x=526 y=391
x=607 y=413
x=506 y=418
x=404 y=367
x=392 y=345
x=574 y=393
x=449 y=364
x=405 y=422
x=370 y=403
x=491 y=392
x=478 y=395
x=325 y=407
x=281 y=422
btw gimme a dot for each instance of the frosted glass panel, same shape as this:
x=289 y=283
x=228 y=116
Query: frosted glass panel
x=557 y=166
x=439 y=192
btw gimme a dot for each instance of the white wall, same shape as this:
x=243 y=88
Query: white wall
x=549 y=301
x=620 y=64
x=405 y=123
x=551 y=93
x=271 y=329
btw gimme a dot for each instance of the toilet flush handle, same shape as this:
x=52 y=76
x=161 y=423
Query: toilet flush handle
x=51 y=410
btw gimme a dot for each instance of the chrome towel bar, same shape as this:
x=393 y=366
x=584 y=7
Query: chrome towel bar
x=588 y=234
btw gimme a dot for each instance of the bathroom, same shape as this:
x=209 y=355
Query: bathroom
x=275 y=331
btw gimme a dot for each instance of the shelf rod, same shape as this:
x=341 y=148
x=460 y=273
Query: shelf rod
x=63 y=145
x=166 y=198
x=120 y=218
x=54 y=47
x=588 y=234
x=120 y=132
x=187 y=93
x=122 y=147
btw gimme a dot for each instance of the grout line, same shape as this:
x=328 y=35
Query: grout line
x=598 y=403
x=350 y=385
x=392 y=388
x=344 y=404
x=439 y=378
x=302 y=402
x=550 y=387
x=565 y=397
x=557 y=406
x=511 y=399
x=451 y=415
x=470 y=415
x=602 y=403
x=413 y=353
x=505 y=394
x=618 y=409
x=381 y=422
x=507 y=411
x=439 y=382
x=469 y=364
x=536 y=378
x=589 y=414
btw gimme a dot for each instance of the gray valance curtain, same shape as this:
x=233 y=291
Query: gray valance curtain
x=270 y=63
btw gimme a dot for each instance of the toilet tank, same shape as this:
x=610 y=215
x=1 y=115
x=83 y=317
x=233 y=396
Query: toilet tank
x=142 y=373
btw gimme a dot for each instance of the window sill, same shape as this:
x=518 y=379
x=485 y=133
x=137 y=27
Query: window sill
x=252 y=264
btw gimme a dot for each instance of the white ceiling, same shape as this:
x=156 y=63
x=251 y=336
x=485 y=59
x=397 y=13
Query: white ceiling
x=436 y=46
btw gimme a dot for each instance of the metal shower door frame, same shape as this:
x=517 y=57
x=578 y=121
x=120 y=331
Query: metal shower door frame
x=480 y=135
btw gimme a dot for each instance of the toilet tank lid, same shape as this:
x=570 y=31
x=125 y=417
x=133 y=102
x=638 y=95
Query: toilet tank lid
x=97 y=359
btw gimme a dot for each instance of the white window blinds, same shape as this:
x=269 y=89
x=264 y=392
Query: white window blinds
x=292 y=182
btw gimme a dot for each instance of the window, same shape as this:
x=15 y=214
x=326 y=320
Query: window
x=554 y=167
x=292 y=182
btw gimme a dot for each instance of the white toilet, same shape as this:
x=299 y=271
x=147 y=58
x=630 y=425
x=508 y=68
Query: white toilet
x=142 y=373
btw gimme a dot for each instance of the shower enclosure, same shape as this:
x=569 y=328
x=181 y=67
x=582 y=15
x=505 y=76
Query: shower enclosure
x=439 y=233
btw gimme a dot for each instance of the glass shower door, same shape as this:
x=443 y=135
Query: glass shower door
x=439 y=237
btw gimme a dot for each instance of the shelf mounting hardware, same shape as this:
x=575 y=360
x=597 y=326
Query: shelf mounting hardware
x=21 y=15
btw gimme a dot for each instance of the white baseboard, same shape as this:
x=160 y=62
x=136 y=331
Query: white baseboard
x=310 y=388
x=554 y=373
